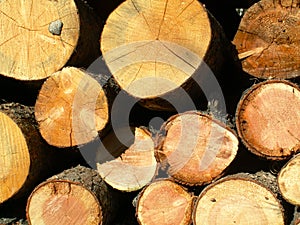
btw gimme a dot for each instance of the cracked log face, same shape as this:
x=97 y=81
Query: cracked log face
x=267 y=119
x=71 y=108
x=268 y=39
x=153 y=47
x=29 y=48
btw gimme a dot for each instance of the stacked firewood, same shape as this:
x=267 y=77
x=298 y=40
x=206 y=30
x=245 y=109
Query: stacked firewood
x=171 y=112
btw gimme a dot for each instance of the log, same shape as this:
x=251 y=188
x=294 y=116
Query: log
x=238 y=199
x=75 y=196
x=195 y=147
x=164 y=202
x=135 y=167
x=267 y=39
x=25 y=158
x=160 y=52
x=288 y=180
x=72 y=108
x=266 y=119
x=40 y=37
x=296 y=218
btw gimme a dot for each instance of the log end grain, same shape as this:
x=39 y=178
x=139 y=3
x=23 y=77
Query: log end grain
x=164 y=202
x=237 y=201
x=196 y=147
x=71 y=108
x=15 y=159
x=64 y=203
x=273 y=27
x=288 y=181
x=135 y=167
x=38 y=37
x=267 y=119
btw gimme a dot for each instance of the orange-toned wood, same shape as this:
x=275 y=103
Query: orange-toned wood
x=196 y=147
x=267 y=119
x=273 y=28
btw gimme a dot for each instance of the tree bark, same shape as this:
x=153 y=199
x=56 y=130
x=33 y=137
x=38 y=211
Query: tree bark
x=132 y=169
x=25 y=158
x=40 y=37
x=195 y=147
x=288 y=180
x=238 y=199
x=268 y=39
x=72 y=108
x=75 y=196
x=160 y=52
x=164 y=202
x=266 y=119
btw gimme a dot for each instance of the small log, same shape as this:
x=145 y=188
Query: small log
x=288 y=181
x=267 y=119
x=135 y=167
x=273 y=27
x=195 y=147
x=72 y=108
x=164 y=202
x=76 y=196
x=40 y=37
x=159 y=51
x=238 y=199
x=25 y=158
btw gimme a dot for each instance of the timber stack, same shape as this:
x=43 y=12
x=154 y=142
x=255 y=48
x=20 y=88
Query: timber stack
x=170 y=112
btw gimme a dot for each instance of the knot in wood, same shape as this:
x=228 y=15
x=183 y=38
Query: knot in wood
x=55 y=27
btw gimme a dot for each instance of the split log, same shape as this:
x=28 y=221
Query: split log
x=195 y=147
x=25 y=158
x=135 y=167
x=40 y=37
x=164 y=202
x=76 y=196
x=238 y=199
x=267 y=119
x=159 y=51
x=288 y=181
x=72 y=108
x=268 y=39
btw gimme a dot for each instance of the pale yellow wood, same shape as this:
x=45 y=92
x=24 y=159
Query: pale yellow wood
x=237 y=201
x=14 y=158
x=153 y=47
x=135 y=168
x=71 y=108
x=28 y=50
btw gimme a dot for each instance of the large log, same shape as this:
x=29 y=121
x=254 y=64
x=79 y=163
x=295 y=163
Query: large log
x=164 y=202
x=268 y=39
x=136 y=165
x=25 y=158
x=40 y=37
x=76 y=196
x=288 y=180
x=267 y=119
x=238 y=199
x=195 y=147
x=160 y=50
x=72 y=108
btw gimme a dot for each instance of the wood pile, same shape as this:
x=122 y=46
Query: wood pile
x=170 y=112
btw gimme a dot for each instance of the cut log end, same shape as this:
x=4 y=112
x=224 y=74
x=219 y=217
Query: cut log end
x=196 y=147
x=288 y=181
x=63 y=202
x=14 y=160
x=135 y=168
x=273 y=27
x=266 y=118
x=43 y=34
x=164 y=202
x=237 y=201
x=71 y=108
